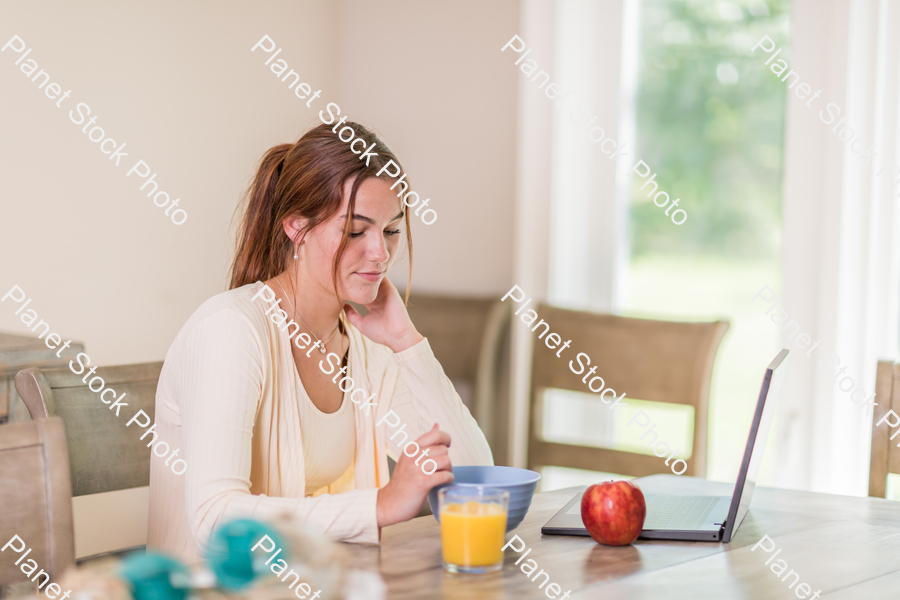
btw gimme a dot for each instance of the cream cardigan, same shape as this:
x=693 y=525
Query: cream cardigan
x=228 y=398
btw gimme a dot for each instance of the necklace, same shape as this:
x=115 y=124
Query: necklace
x=322 y=346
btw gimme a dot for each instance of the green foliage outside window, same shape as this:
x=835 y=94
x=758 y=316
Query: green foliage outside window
x=710 y=123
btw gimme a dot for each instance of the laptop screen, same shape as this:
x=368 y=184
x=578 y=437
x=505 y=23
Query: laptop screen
x=756 y=443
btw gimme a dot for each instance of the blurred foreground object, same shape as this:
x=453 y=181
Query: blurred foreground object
x=241 y=555
x=244 y=552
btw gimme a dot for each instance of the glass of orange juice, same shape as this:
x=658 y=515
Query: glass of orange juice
x=473 y=526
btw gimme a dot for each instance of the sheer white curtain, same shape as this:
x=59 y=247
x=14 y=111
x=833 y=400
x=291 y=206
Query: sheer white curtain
x=571 y=209
x=532 y=218
x=840 y=237
x=588 y=244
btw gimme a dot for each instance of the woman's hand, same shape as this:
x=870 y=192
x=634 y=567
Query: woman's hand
x=401 y=499
x=388 y=322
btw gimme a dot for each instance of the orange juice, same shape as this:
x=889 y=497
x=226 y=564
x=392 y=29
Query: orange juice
x=472 y=533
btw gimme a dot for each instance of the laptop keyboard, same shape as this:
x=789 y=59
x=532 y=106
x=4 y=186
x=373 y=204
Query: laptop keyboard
x=678 y=512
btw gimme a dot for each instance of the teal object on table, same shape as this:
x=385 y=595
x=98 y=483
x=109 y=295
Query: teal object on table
x=230 y=555
x=155 y=576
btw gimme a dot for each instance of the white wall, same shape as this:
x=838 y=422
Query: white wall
x=178 y=84
x=430 y=79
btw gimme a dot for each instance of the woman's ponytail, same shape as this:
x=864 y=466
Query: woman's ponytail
x=256 y=251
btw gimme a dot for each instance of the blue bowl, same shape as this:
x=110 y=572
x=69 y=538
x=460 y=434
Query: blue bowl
x=520 y=483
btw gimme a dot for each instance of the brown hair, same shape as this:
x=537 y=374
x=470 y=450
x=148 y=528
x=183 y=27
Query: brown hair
x=305 y=179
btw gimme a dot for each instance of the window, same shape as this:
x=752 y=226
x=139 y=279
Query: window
x=709 y=121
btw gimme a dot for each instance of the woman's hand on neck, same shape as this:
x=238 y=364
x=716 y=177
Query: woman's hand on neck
x=368 y=254
x=387 y=323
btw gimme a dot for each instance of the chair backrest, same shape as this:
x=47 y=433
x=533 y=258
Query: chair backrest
x=660 y=361
x=35 y=499
x=19 y=352
x=885 y=456
x=468 y=337
x=104 y=454
x=455 y=328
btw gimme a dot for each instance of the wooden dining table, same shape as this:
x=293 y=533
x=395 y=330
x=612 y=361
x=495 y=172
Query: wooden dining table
x=847 y=547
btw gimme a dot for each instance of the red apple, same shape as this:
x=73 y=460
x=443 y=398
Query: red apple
x=613 y=512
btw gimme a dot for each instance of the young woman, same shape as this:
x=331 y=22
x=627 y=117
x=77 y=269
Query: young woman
x=285 y=400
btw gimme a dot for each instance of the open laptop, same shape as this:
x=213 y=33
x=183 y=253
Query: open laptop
x=699 y=518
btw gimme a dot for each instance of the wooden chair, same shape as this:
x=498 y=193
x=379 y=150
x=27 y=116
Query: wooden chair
x=661 y=361
x=104 y=454
x=885 y=456
x=470 y=338
x=35 y=500
x=19 y=352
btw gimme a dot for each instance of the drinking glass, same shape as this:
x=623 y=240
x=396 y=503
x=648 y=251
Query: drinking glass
x=473 y=526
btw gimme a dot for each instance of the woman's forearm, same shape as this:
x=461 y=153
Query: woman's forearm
x=347 y=517
x=425 y=396
x=405 y=341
